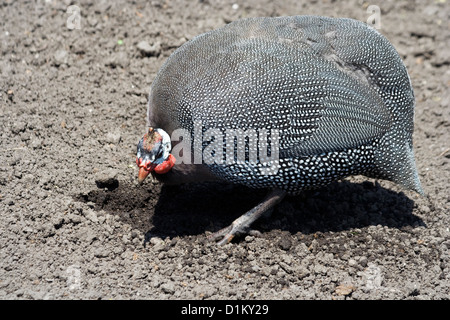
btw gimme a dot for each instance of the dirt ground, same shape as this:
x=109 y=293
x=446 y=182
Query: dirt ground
x=74 y=224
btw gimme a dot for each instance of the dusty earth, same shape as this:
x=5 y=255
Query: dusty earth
x=74 y=224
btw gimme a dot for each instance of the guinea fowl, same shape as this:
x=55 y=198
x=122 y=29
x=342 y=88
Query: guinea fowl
x=286 y=104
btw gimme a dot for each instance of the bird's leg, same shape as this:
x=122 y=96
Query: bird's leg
x=243 y=222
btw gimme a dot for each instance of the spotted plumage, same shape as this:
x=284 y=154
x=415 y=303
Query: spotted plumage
x=335 y=90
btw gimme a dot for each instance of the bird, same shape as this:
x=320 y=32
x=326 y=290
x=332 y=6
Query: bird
x=285 y=104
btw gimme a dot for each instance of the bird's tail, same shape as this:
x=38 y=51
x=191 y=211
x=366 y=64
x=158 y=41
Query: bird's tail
x=394 y=159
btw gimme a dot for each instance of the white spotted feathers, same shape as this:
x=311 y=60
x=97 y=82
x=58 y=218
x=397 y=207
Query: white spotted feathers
x=335 y=89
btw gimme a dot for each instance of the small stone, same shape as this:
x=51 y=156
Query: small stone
x=255 y=268
x=117 y=59
x=36 y=143
x=92 y=21
x=74 y=218
x=90 y=215
x=100 y=253
x=27 y=229
x=134 y=234
x=113 y=137
x=424 y=209
x=107 y=179
x=18 y=127
x=320 y=269
x=168 y=288
x=8 y=201
x=24 y=136
x=60 y=57
x=363 y=261
x=345 y=289
x=156 y=240
x=249 y=238
x=412 y=289
x=158 y=244
x=58 y=222
x=47 y=230
x=10 y=94
x=352 y=262
x=285 y=243
x=28 y=178
x=149 y=50
x=159 y=247
x=314 y=246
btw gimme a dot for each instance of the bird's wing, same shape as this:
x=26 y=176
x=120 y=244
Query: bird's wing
x=339 y=112
x=313 y=79
x=319 y=102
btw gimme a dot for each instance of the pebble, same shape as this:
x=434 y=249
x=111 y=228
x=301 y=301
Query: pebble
x=158 y=244
x=117 y=59
x=27 y=229
x=134 y=233
x=345 y=289
x=156 y=240
x=60 y=57
x=90 y=215
x=285 y=243
x=424 y=209
x=9 y=201
x=100 y=253
x=149 y=50
x=314 y=246
x=363 y=261
x=352 y=262
x=18 y=127
x=249 y=238
x=107 y=179
x=168 y=288
x=320 y=269
x=113 y=137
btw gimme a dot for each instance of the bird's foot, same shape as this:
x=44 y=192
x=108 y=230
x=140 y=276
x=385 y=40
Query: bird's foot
x=242 y=224
x=227 y=234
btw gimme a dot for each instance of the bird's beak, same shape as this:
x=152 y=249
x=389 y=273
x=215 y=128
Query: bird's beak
x=143 y=173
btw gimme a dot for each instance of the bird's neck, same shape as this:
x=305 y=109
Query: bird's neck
x=186 y=173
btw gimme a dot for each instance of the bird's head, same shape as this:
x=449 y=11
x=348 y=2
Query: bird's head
x=153 y=153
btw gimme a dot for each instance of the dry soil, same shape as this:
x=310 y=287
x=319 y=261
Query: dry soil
x=74 y=224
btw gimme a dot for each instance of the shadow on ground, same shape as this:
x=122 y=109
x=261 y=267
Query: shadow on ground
x=170 y=211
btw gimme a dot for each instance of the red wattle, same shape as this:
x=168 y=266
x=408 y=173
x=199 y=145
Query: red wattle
x=166 y=165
